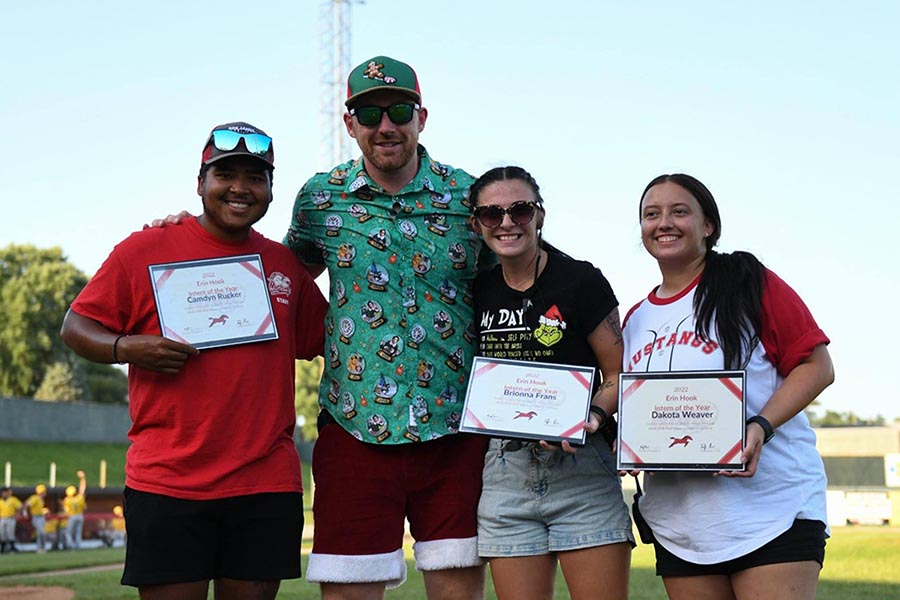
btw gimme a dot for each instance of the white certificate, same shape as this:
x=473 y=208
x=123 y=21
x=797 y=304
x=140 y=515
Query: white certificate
x=214 y=302
x=528 y=400
x=681 y=421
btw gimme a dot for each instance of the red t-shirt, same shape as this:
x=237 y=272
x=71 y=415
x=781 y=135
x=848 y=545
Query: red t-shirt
x=224 y=425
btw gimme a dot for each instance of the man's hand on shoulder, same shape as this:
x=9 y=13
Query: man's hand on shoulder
x=168 y=220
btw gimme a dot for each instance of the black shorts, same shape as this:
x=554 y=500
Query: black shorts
x=804 y=541
x=250 y=538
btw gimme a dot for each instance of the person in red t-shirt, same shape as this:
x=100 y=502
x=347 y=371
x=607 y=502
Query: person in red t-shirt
x=213 y=487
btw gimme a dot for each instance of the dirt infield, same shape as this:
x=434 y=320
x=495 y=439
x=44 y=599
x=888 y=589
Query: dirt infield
x=21 y=592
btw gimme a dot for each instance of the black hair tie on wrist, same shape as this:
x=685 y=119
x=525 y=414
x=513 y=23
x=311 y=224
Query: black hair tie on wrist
x=766 y=427
x=602 y=414
x=115 y=352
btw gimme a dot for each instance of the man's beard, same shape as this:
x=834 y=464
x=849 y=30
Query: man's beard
x=394 y=162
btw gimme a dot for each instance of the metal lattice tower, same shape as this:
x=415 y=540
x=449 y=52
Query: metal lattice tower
x=334 y=18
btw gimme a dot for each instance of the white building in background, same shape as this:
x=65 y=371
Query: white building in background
x=863 y=468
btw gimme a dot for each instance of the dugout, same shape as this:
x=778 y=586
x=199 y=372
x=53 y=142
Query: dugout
x=98 y=518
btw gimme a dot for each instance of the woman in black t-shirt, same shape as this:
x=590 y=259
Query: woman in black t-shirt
x=538 y=504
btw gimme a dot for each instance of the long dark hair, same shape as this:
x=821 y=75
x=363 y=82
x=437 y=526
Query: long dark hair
x=512 y=172
x=730 y=287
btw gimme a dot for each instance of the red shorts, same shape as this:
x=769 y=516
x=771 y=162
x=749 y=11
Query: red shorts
x=364 y=493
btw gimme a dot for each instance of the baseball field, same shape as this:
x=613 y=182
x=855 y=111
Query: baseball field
x=861 y=561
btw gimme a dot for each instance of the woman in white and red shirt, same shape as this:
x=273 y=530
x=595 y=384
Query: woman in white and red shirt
x=760 y=532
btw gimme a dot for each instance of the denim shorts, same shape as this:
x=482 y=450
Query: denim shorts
x=537 y=501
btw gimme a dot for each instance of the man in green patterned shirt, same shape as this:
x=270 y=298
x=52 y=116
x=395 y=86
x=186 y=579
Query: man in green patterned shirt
x=392 y=230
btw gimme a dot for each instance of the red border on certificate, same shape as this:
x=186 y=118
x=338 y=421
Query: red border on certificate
x=683 y=421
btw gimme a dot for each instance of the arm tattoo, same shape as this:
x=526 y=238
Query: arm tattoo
x=612 y=319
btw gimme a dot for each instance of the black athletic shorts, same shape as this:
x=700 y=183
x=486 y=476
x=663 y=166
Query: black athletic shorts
x=805 y=540
x=249 y=538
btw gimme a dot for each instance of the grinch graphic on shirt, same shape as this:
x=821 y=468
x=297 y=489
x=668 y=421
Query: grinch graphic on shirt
x=551 y=328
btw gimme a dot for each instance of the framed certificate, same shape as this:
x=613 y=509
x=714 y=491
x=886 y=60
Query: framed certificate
x=527 y=400
x=214 y=302
x=682 y=421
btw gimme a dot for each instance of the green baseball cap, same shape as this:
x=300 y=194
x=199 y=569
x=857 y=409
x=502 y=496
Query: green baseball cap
x=382 y=72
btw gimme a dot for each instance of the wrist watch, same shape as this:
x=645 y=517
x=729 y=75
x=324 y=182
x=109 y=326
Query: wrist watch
x=766 y=427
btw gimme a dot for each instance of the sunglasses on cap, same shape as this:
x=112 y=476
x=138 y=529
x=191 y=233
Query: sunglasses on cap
x=227 y=140
x=491 y=215
x=399 y=114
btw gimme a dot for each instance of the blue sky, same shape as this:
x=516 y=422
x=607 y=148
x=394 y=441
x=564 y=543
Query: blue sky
x=787 y=111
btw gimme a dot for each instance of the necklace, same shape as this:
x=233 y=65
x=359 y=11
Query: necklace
x=518 y=285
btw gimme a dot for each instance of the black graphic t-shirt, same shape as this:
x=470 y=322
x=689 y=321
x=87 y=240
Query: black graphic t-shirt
x=550 y=322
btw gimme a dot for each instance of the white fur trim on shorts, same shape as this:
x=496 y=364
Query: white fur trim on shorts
x=447 y=554
x=340 y=568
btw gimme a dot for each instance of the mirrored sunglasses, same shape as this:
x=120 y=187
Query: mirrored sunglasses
x=491 y=215
x=227 y=140
x=399 y=114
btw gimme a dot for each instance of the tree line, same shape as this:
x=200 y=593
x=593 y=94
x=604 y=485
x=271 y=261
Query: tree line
x=36 y=287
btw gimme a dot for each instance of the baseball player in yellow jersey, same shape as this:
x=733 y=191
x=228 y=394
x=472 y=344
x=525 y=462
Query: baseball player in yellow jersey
x=55 y=527
x=34 y=507
x=117 y=525
x=74 y=504
x=9 y=508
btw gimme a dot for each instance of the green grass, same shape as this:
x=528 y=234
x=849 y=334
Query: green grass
x=30 y=563
x=31 y=462
x=860 y=564
x=102 y=585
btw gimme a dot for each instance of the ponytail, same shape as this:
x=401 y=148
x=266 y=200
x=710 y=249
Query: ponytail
x=730 y=289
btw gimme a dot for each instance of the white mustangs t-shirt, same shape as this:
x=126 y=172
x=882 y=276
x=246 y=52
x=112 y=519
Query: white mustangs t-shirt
x=705 y=519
